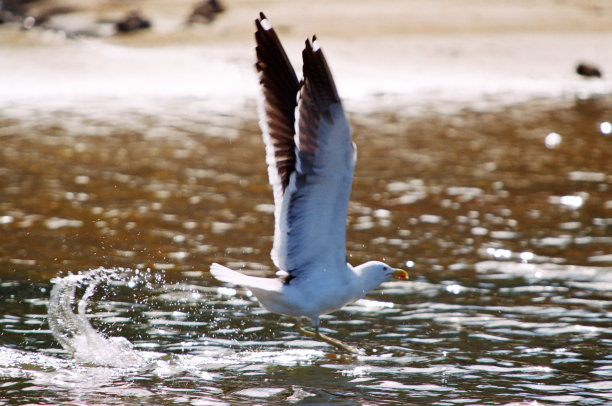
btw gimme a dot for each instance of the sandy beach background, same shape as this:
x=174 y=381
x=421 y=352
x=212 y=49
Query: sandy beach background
x=348 y=19
x=399 y=54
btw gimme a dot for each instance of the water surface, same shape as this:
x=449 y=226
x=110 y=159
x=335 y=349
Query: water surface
x=502 y=218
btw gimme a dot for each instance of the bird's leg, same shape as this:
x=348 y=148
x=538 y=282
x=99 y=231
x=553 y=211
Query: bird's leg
x=302 y=330
x=336 y=343
x=317 y=335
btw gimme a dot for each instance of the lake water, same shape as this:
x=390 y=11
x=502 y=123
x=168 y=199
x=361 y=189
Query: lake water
x=109 y=220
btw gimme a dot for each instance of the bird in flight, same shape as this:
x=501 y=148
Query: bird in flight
x=311 y=159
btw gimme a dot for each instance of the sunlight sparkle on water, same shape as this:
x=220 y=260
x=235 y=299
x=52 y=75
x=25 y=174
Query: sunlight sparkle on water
x=374 y=304
x=455 y=289
x=224 y=291
x=499 y=252
x=571 y=201
x=605 y=128
x=526 y=256
x=552 y=140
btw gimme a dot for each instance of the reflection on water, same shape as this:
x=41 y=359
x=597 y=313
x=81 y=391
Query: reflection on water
x=507 y=241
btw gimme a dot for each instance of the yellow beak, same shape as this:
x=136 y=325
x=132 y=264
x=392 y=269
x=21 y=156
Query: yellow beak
x=400 y=274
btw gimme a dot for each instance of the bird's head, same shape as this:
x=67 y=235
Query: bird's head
x=373 y=273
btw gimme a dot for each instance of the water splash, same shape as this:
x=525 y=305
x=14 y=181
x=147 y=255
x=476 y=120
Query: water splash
x=74 y=331
x=69 y=323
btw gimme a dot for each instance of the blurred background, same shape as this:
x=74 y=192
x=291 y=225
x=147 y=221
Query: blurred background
x=441 y=51
x=129 y=144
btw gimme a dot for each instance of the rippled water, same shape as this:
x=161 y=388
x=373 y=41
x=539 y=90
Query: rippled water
x=502 y=218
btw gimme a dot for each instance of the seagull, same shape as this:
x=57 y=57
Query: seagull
x=311 y=159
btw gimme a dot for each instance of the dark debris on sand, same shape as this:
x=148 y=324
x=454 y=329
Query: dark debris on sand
x=588 y=70
x=206 y=11
x=134 y=21
x=28 y=14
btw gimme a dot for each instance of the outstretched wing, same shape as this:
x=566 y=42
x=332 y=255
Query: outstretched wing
x=311 y=187
x=280 y=87
x=279 y=90
x=313 y=216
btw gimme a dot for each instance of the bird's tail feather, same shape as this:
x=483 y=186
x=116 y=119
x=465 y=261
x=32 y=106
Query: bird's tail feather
x=224 y=274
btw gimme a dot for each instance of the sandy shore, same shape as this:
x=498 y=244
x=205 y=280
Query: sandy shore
x=352 y=19
x=397 y=53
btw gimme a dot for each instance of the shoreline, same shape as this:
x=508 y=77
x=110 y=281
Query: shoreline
x=435 y=71
x=177 y=118
x=391 y=56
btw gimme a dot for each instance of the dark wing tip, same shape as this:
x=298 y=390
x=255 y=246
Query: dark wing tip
x=317 y=75
x=318 y=92
x=280 y=86
x=259 y=22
